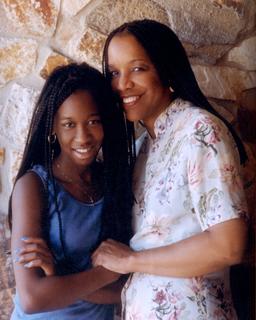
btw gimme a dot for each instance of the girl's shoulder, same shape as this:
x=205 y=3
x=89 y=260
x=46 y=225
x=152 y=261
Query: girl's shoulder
x=28 y=191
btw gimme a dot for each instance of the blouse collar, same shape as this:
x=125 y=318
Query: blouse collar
x=165 y=119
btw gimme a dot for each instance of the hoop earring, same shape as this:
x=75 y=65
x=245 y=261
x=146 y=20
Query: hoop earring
x=52 y=154
x=52 y=138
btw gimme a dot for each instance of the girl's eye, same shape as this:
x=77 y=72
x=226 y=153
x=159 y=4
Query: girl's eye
x=68 y=124
x=94 y=122
x=113 y=73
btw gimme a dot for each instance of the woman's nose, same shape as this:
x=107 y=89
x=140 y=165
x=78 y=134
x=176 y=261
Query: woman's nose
x=124 y=82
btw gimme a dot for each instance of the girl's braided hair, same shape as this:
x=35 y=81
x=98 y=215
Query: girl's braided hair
x=118 y=158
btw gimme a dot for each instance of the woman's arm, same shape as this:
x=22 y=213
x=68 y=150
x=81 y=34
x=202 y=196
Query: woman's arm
x=218 y=247
x=37 y=291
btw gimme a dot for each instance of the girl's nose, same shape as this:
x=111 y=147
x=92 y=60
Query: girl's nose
x=83 y=134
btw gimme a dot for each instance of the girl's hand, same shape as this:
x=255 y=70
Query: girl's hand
x=35 y=253
x=114 y=256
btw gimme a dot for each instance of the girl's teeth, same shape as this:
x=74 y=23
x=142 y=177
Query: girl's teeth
x=83 y=150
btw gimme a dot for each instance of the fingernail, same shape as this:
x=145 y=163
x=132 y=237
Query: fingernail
x=24 y=238
x=16 y=259
x=27 y=265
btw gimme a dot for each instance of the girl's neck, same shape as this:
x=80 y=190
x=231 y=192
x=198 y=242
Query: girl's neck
x=75 y=173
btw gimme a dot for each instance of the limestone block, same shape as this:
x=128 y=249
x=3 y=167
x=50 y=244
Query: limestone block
x=52 y=61
x=71 y=8
x=205 y=54
x=247 y=115
x=223 y=82
x=29 y=17
x=227 y=109
x=1 y=183
x=203 y=22
x=245 y=54
x=17 y=58
x=236 y=5
x=6 y=271
x=6 y=303
x=80 y=42
x=2 y=152
x=90 y=47
x=15 y=160
x=110 y=14
x=16 y=115
x=248 y=99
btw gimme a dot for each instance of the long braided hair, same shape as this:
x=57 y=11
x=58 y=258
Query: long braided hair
x=117 y=160
x=171 y=62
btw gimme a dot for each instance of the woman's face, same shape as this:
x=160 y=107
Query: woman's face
x=78 y=127
x=136 y=80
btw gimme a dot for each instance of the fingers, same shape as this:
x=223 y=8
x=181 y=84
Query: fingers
x=47 y=266
x=34 y=253
x=34 y=240
x=33 y=247
x=27 y=257
x=32 y=244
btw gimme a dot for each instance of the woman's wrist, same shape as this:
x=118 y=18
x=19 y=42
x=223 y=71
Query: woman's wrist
x=133 y=261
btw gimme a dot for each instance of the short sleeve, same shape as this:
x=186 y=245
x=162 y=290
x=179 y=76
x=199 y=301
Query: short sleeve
x=213 y=169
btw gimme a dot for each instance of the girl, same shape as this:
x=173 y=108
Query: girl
x=65 y=201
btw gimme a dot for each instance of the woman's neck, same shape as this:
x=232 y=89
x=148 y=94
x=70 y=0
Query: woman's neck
x=150 y=124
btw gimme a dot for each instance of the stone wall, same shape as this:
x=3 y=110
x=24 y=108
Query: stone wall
x=37 y=35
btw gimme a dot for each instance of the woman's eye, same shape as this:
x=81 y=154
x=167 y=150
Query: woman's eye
x=94 y=122
x=139 y=68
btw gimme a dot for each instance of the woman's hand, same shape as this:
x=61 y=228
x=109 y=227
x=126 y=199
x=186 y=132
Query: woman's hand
x=114 y=256
x=35 y=254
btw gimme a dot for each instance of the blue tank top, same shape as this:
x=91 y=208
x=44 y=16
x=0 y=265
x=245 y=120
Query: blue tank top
x=81 y=225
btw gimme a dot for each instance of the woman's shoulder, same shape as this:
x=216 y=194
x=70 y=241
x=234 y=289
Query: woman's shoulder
x=201 y=121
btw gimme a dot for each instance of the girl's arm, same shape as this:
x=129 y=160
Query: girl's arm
x=37 y=291
x=218 y=247
x=111 y=294
x=36 y=254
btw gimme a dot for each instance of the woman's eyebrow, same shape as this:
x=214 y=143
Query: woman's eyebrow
x=131 y=61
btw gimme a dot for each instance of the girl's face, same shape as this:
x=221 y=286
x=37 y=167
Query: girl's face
x=136 y=80
x=78 y=127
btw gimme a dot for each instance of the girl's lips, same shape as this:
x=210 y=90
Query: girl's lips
x=83 y=152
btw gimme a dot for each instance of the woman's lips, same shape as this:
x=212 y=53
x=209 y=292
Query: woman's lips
x=130 y=101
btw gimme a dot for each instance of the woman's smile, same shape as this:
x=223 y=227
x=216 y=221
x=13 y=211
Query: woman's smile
x=136 y=81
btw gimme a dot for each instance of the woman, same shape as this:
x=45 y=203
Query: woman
x=189 y=210
x=65 y=201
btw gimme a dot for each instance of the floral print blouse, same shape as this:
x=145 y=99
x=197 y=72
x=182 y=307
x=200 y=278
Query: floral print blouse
x=186 y=180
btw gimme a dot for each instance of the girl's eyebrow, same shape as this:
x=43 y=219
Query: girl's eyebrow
x=90 y=115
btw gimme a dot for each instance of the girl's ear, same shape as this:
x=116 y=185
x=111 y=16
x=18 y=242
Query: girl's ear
x=54 y=126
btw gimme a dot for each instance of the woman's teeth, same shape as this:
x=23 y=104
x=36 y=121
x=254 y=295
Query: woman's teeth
x=130 y=99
